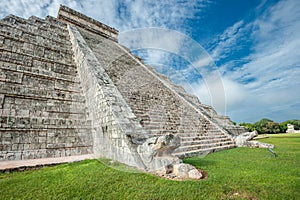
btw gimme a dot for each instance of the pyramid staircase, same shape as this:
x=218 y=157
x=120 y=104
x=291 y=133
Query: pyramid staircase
x=161 y=106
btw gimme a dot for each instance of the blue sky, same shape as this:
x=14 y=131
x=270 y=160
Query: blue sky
x=252 y=47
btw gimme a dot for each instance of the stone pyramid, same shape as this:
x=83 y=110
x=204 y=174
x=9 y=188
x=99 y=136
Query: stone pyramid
x=68 y=88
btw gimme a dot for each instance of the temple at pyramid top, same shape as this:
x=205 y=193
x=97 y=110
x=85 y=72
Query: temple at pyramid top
x=71 y=16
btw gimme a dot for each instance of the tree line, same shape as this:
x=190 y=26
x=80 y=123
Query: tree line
x=268 y=126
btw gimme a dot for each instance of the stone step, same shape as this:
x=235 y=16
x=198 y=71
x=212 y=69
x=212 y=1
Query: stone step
x=6 y=165
x=46 y=23
x=186 y=135
x=201 y=130
x=199 y=133
x=18 y=91
x=179 y=89
x=202 y=152
x=37 y=52
x=204 y=141
x=191 y=135
x=38 y=72
x=55 y=21
x=202 y=136
x=11 y=124
x=33 y=32
x=41 y=67
x=152 y=119
x=67 y=67
x=6 y=34
x=38 y=24
x=203 y=146
x=160 y=132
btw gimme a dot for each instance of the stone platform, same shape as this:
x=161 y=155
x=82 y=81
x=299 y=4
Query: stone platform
x=14 y=164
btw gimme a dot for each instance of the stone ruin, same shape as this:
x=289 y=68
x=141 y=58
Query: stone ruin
x=291 y=129
x=69 y=90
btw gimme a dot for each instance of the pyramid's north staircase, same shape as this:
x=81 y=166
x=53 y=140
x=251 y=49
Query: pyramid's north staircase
x=157 y=103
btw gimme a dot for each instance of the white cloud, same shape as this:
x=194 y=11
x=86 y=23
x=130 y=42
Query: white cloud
x=123 y=14
x=235 y=93
x=23 y=8
x=144 y=13
x=39 y=8
x=273 y=64
x=225 y=40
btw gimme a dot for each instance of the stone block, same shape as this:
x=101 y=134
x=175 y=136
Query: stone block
x=10 y=156
x=15 y=147
x=42 y=153
x=25 y=114
x=26 y=147
x=186 y=171
x=38 y=51
x=2 y=155
x=28 y=154
x=49 y=153
x=42 y=140
x=1 y=40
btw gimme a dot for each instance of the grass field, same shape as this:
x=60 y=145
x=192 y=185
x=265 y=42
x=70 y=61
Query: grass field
x=239 y=173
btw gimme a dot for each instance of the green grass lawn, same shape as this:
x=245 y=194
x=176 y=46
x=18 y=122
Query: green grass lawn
x=239 y=173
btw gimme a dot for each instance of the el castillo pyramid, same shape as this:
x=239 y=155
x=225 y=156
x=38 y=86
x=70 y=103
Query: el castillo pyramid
x=68 y=88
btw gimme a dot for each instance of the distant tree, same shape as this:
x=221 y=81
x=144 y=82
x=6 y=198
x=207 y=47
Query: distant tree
x=271 y=128
x=268 y=126
x=248 y=126
x=260 y=126
x=283 y=127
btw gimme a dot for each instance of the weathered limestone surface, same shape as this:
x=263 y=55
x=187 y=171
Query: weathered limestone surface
x=42 y=108
x=116 y=130
x=223 y=122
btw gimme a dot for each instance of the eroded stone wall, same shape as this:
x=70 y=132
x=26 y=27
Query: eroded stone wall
x=117 y=132
x=42 y=108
